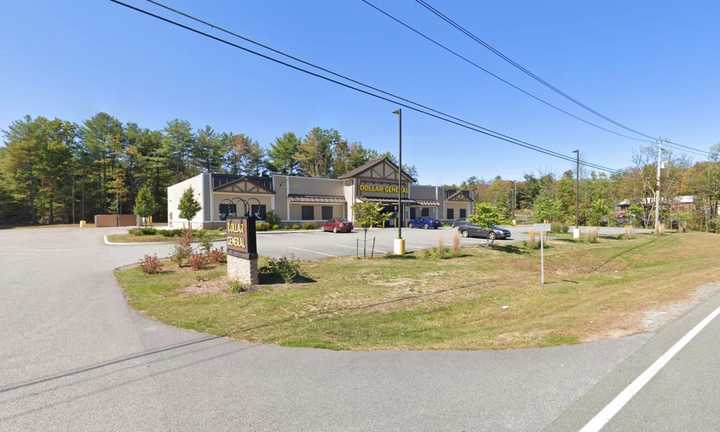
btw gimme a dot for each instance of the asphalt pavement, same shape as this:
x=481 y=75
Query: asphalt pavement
x=75 y=357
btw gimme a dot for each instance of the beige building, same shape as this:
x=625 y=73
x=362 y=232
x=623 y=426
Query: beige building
x=297 y=199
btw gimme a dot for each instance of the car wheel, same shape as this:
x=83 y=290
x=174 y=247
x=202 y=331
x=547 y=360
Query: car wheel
x=334 y=230
x=491 y=236
x=426 y=226
x=464 y=234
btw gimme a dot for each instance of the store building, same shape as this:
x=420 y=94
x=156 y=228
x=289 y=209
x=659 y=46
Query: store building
x=297 y=199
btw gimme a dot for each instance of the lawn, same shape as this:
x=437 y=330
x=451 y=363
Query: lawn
x=485 y=299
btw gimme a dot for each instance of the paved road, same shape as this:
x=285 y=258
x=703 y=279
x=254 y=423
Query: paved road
x=61 y=311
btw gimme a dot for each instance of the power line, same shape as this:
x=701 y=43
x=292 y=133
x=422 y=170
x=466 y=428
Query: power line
x=555 y=89
x=440 y=116
x=496 y=76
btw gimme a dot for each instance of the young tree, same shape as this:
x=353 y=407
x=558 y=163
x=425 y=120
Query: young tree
x=367 y=215
x=188 y=206
x=548 y=209
x=144 y=203
x=486 y=215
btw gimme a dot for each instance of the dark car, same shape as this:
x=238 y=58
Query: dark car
x=337 y=225
x=492 y=233
x=424 y=222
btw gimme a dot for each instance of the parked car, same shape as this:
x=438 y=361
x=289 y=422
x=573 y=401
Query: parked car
x=425 y=222
x=494 y=232
x=337 y=225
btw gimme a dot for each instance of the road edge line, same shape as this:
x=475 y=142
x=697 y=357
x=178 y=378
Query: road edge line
x=611 y=409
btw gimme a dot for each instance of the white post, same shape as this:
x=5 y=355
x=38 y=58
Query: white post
x=542 y=259
x=657 y=187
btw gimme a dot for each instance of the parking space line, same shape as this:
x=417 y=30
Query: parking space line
x=611 y=409
x=381 y=251
x=311 y=251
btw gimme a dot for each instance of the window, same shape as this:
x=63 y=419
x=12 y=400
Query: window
x=227 y=210
x=463 y=213
x=327 y=212
x=308 y=212
x=413 y=212
x=451 y=213
x=258 y=210
x=425 y=212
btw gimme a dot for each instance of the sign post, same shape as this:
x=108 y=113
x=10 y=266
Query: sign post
x=542 y=229
x=242 y=250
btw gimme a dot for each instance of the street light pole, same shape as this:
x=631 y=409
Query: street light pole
x=399 y=248
x=577 y=188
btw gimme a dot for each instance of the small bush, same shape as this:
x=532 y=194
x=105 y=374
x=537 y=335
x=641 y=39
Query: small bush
x=273 y=218
x=628 y=232
x=557 y=227
x=440 y=249
x=456 y=243
x=205 y=242
x=148 y=231
x=309 y=225
x=171 y=232
x=197 y=261
x=237 y=287
x=150 y=264
x=134 y=231
x=296 y=226
x=275 y=227
x=591 y=235
x=216 y=256
x=262 y=226
x=183 y=249
x=286 y=268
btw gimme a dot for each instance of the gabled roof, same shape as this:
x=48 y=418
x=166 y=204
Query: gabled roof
x=369 y=164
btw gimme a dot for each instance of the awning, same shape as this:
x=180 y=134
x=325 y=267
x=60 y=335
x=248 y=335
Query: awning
x=428 y=203
x=322 y=199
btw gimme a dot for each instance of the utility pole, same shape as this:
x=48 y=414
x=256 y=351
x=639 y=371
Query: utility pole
x=399 y=245
x=657 y=186
x=577 y=188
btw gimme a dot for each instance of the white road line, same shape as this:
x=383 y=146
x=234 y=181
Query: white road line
x=611 y=409
x=311 y=251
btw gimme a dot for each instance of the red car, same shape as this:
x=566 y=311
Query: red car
x=337 y=225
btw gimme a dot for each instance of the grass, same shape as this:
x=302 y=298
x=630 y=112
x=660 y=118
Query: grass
x=592 y=291
x=158 y=238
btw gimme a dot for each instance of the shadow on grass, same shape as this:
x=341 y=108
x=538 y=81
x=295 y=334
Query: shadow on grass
x=408 y=255
x=510 y=248
x=267 y=278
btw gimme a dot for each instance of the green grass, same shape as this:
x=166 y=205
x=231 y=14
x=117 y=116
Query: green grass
x=157 y=238
x=592 y=290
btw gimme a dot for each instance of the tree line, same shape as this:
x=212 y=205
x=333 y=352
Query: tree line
x=57 y=171
x=552 y=198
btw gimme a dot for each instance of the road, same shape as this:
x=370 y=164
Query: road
x=75 y=357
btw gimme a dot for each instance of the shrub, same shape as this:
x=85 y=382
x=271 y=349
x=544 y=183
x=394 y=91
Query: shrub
x=286 y=268
x=150 y=264
x=237 y=287
x=440 y=247
x=296 y=226
x=456 y=242
x=557 y=227
x=134 y=231
x=591 y=235
x=272 y=218
x=171 y=232
x=205 y=243
x=262 y=226
x=309 y=225
x=275 y=227
x=628 y=232
x=183 y=249
x=148 y=231
x=217 y=255
x=197 y=261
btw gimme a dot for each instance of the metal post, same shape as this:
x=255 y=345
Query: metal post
x=542 y=259
x=577 y=189
x=657 y=187
x=400 y=209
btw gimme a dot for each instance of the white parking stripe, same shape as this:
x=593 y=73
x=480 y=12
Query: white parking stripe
x=611 y=409
x=311 y=251
x=360 y=248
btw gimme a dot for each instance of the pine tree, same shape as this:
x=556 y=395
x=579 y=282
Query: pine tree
x=144 y=203
x=282 y=153
x=188 y=205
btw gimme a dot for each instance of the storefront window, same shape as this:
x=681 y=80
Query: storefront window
x=425 y=212
x=308 y=212
x=227 y=210
x=451 y=213
x=327 y=212
x=463 y=213
x=258 y=210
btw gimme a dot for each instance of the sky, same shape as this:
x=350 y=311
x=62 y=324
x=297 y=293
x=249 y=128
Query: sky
x=652 y=65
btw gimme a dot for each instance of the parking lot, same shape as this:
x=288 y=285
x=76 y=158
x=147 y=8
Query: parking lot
x=317 y=244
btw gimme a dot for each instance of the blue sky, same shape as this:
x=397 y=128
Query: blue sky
x=652 y=65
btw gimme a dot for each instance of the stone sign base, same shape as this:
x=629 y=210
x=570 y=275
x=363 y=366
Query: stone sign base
x=242 y=270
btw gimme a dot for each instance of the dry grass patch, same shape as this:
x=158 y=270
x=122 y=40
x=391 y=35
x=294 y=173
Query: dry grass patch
x=487 y=298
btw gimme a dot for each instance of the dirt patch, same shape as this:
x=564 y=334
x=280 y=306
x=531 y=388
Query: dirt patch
x=214 y=286
x=654 y=319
